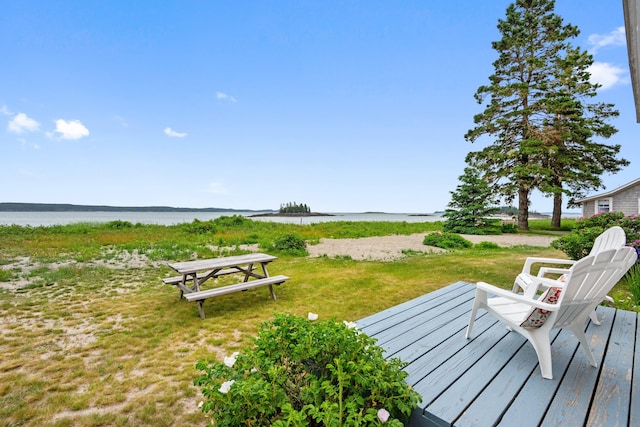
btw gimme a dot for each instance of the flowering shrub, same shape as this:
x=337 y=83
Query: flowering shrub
x=579 y=242
x=302 y=372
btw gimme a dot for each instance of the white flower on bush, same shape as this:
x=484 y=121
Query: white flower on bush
x=383 y=415
x=226 y=386
x=312 y=316
x=200 y=404
x=350 y=325
x=231 y=360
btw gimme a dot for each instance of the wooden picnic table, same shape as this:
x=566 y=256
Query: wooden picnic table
x=194 y=273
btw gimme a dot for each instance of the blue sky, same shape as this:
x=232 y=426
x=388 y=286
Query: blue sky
x=347 y=106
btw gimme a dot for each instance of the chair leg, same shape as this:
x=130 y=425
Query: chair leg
x=579 y=333
x=476 y=304
x=542 y=346
x=594 y=318
x=473 y=316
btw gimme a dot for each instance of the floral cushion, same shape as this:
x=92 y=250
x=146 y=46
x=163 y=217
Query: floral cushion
x=537 y=316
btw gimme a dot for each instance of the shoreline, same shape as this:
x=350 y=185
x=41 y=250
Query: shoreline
x=289 y=215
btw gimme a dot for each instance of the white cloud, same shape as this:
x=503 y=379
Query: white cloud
x=217 y=188
x=5 y=110
x=614 y=38
x=72 y=129
x=223 y=96
x=21 y=123
x=173 y=134
x=606 y=74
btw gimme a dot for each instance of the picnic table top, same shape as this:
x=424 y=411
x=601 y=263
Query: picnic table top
x=188 y=267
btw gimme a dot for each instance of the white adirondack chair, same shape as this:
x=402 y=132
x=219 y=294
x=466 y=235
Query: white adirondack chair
x=612 y=238
x=569 y=306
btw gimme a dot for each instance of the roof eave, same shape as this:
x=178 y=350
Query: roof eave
x=609 y=193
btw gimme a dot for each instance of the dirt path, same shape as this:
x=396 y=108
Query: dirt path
x=388 y=248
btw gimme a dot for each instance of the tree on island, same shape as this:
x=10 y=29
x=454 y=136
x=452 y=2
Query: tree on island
x=543 y=131
x=471 y=203
x=294 y=208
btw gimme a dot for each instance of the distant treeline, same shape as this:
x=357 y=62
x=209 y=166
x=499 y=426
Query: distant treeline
x=56 y=207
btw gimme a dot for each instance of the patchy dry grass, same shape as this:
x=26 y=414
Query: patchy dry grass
x=90 y=336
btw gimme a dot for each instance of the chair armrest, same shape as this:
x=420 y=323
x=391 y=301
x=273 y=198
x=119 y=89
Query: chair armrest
x=487 y=288
x=553 y=270
x=537 y=260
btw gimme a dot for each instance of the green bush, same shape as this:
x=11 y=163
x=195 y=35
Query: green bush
x=486 y=245
x=234 y=221
x=199 y=227
x=579 y=242
x=292 y=244
x=118 y=224
x=446 y=240
x=509 y=228
x=304 y=373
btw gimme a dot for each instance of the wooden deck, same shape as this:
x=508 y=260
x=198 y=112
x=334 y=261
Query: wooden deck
x=494 y=379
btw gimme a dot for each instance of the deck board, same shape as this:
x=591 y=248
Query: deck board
x=494 y=379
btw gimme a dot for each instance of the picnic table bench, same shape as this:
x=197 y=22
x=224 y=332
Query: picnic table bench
x=194 y=273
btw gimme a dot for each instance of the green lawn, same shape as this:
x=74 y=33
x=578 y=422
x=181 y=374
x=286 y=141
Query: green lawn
x=88 y=342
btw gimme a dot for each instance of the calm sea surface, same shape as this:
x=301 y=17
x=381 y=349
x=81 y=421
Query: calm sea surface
x=36 y=219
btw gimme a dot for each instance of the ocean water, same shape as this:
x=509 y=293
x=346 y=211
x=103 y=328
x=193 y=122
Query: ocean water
x=36 y=219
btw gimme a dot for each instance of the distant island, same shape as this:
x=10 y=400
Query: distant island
x=297 y=214
x=63 y=207
x=292 y=209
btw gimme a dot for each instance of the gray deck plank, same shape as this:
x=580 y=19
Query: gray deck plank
x=443 y=340
x=531 y=404
x=494 y=378
x=431 y=324
x=455 y=358
x=415 y=317
x=614 y=390
x=435 y=354
x=571 y=404
x=454 y=400
x=384 y=315
x=489 y=406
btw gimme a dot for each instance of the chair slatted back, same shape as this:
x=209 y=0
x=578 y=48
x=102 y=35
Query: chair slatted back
x=589 y=281
x=612 y=238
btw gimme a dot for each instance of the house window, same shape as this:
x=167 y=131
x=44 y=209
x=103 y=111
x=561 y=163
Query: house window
x=604 y=205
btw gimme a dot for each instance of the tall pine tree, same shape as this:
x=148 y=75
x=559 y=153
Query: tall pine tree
x=575 y=160
x=542 y=130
